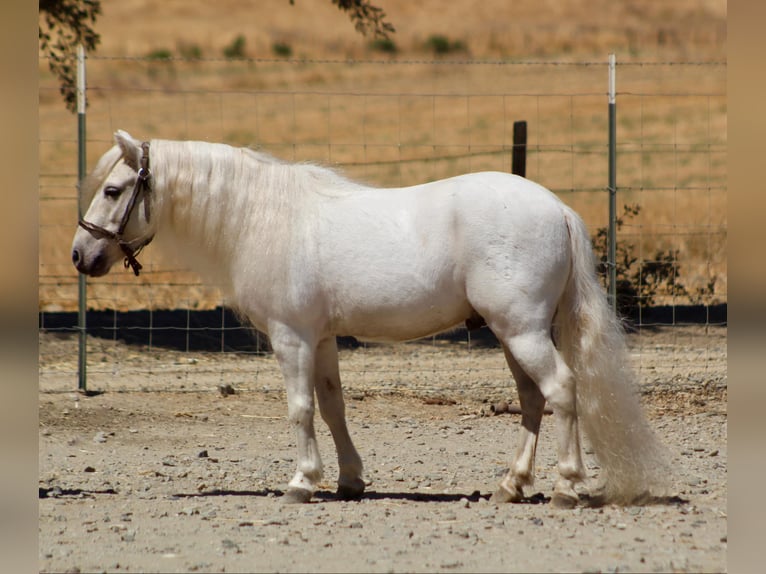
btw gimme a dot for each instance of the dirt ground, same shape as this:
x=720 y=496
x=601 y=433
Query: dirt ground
x=159 y=471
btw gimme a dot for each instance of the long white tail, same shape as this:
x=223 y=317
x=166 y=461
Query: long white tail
x=590 y=337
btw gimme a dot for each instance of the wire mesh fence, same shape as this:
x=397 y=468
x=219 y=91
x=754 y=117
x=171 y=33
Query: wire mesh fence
x=394 y=123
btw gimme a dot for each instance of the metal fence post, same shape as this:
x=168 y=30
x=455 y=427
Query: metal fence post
x=519 y=154
x=612 y=235
x=81 y=167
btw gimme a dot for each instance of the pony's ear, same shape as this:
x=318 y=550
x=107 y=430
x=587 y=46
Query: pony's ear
x=131 y=148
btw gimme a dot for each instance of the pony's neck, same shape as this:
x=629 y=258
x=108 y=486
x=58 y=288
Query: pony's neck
x=212 y=197
x=196 y=214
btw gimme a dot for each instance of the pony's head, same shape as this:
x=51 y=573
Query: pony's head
x=118 y=222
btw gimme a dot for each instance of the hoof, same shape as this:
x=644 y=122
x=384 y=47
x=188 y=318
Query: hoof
x=503 y=495
x=564 y=501
x=297 y=496
x=351 y=491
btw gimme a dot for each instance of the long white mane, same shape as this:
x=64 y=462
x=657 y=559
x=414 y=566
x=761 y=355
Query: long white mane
x=235 y=197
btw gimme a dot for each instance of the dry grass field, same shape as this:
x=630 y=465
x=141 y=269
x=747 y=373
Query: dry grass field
x=410 y=116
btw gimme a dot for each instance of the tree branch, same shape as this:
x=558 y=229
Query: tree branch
x=65 y=24
x=367 y=17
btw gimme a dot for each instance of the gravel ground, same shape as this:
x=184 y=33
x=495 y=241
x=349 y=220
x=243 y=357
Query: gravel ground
x=161 y=472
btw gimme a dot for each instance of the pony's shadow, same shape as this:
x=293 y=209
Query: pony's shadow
x=435 y=497
x=586 y=500
x=598 y=501
x=329 y=496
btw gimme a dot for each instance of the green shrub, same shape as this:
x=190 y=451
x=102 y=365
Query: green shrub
x=236 y=49
x=385 y=45
x=439 y=44
x=640 y=282
x=282 y=49
x=160 y=54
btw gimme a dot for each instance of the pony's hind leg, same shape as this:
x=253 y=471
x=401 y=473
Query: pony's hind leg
x=521 y=472
x=536 y=354
x=333 y=410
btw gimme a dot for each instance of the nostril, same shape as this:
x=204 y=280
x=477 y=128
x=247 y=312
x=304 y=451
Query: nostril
x=75 y=256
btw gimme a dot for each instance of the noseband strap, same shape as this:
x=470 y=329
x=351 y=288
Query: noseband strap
x=143 y=185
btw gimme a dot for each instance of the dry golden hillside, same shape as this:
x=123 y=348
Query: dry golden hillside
x=414 y=120
x=677 y=29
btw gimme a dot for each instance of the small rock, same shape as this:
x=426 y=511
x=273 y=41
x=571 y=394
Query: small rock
x=89 y=469
x=202 y=454
x=500 y=408
x=226 y=390
x=275 y=521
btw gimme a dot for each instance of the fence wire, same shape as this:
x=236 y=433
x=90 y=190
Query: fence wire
x=393 y=123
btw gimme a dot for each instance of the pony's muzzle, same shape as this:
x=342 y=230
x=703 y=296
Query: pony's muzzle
x=78 y=259
x=95 y=266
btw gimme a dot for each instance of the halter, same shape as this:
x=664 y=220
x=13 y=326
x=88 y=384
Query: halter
x=143 y=184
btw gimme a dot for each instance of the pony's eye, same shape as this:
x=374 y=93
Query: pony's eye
x=111 y=191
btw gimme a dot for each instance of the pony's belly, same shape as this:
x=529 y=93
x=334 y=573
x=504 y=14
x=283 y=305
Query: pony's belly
x=387 y=325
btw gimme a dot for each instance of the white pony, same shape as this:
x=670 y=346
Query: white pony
x=307 y=255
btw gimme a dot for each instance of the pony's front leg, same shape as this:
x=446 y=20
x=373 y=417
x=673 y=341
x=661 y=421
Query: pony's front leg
x=296 y=357
x=331 y=406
